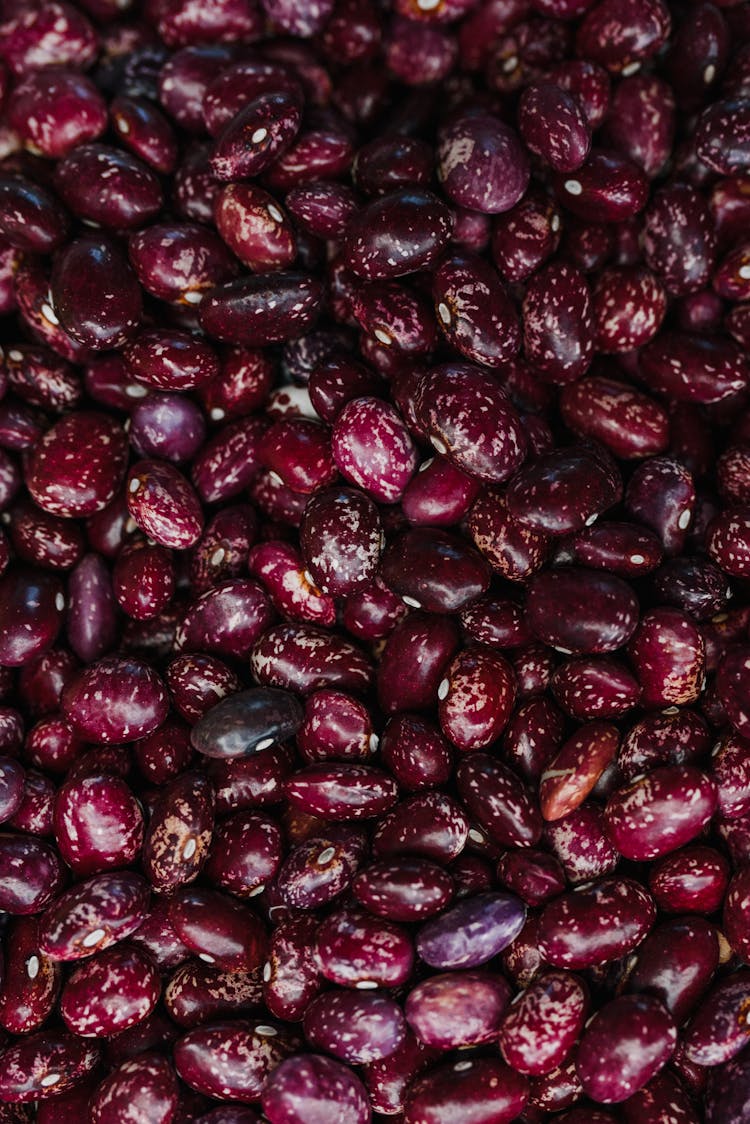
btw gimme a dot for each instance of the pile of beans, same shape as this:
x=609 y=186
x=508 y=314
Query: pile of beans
x=374 y=555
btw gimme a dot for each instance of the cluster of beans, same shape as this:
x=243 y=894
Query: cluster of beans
x=374 y=555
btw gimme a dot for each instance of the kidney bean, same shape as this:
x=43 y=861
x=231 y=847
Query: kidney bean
x=595 y=925
x=494 y=176
x=282 y=570
x=93 y=915
x=220 y=930
x=246 y=722
x=661 y=494
x=512 y=549
x=473 y=310
x=691 y=880
x=261 y=309
x=603 y=610
x=302 y=1086
x=91 y=623
x=411 y=219
x=562 y=491
x=250 y=782
x=663 y=738
x=31 y=607
x=676 y=963
x=468 y=418
x=38 y=1063
x=290 y=976
x=721 y=136
x=534 y=875
x=341 y=791
x=32 y=980
x=668 y=655
x=232 y=1060
x=179 y=831
x=457 y=1008
x=197 y=993
x=525 y=236
x=619 y=548
x=403 y=888
x=163 y=504
x=210 y=621
x=98 y=823
x=690 y=368
x=471 y=932
x=359 y=1028
x=137 y=700
x=718 y=1030
x=500 y=802
x=679 y=241
x=553 y=126
x=540 y=1029
x=661 y=811
x=478 y=1085
x=431 y=825
x=476 y=697
x=572 y=774
x=142 y=128
x=620 y=34
x=318 y=870
x=306 y=659
x=624 y=1046
x=144 y=1086
x=439 y=494
x=596 y=687
x=415 y=752
x=77 y=466
x=109 y=992
x=557 y=323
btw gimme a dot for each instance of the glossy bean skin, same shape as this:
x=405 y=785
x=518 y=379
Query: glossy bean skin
x=457 y=1008
x=110 y=992
x=641 y=1036
x=411 y=218
x=682 y=983
x=458 y=1088
x=249 y=1051
x=538 y=1032
x=633 y=812
x=499 y=801
x=94 y=914
x=471 y=932
x=30 y=1064
x=359 y=1028
x=579 y=931
x=32 y=980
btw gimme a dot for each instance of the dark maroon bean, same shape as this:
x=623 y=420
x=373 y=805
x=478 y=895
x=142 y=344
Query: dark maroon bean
x=305 y=659
x=495 y=621
x=439 y=494
x=691 y=880
x=180 y=262
x=432 y=570
x=359 y=1028
x=336 y=726
x=250 y=782
x=31 y=218
x=661 y=494
x=170 y=360
x=415 y=752
x=432 y=825
x=91 y=623
x=262 y=309
x=620 y=34
x=341 y=540
x=563 y=491
x=51 y=745
x=95 y=294
x=719 y=1031
x=93 y=915
x=389 y=1078
x=32 y=980
x=692 y=584
x=727 y=540
x=481 y=163
x=595 y=687
x=581 y=844
x=469 y=419
x=219 y=929
x=322 y=208
x=38 y=1063
x=418 y=53
x=540 y=1029
x=514 y=550
x=731 y=684
x=341 y=791
x=143 y=580
x=32 y=874
x=532 y=737
x=620 y=548
x=34 y=814
x=553 y=126
x=231 y=1060
x=290 y=975
x=136 y=701
x=373 y=613
x=197 y=993
x=142 y=128
x=668 y=656
x=163 y=504
x=679 y=241
x=42 y=378
x=197 y=683
x=480 y=1087
x=298 y=450
x=317 y=871
x=179 y=832
x=624 y=1046
x=476 y=697
x=245 y=854
x=396 y=234
x=43 y=539
x=281 y=568
x=247 y=722
x=557 y=323
x=607 y=188
x=145 y=1087
x=230 y=460
x=525 y=237
x=106 y=187
x=596 y=924
x=98 y=823
x=722 y=136
x=663 y=738
x=11 y=787
x=308 y=1084
x=110 y=992
x=534 y=875
x=31 y=608
x=473 y=310
x=458 y=1008
x=660 y=812
x=403 y=889
x=255 y=227
x=602 y=610
x=256 y=136
x=53 y=112
x=689 y=368
x=223 y=548
x=676 y=963
x=495 y=796
x=78 y=465
x=663 y=1094
x=641 y=121
x=628 y=307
